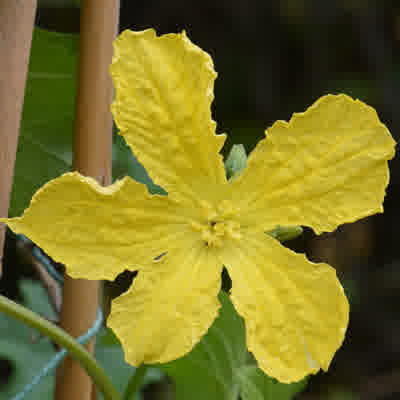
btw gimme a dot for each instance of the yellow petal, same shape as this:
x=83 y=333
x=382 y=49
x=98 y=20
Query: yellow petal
x=295 y=311
x=164 y=89
x=168 y=307
x=325 y=167
x=98 y=232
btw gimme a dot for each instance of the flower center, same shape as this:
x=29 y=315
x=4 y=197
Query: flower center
x=219 y=224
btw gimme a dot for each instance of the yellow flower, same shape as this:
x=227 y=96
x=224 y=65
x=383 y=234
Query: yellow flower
x=326 y=167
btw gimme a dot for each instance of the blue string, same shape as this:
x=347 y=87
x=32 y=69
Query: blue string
x=39 y=255
x=57 y=359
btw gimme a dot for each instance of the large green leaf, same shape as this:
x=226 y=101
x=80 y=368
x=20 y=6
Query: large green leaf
x=45 y=143
x=220 y=367
x=255 y=385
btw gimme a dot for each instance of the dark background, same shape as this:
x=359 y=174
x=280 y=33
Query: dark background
x=275 y=58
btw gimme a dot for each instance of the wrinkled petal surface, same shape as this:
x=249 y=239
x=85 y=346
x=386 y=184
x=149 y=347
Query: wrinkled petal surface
x=325 y=167
x=295 y=311
x=98 y=232
x=164 y=90
x=169 y=307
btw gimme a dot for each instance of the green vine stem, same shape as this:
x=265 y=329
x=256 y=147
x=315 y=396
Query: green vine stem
x=135 y=382
x=59 y=336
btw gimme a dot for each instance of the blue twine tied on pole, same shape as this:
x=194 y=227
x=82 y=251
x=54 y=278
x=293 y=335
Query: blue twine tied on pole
x=59 y=357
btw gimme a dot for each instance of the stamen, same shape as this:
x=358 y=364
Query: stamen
x=218 y=226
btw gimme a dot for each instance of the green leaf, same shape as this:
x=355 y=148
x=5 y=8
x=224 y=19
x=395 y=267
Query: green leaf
x=22 y=345
x=255 y=385
x=221 y=368
x=125 y=163
x=109 y=338
x=45 y=143
x=111 y=358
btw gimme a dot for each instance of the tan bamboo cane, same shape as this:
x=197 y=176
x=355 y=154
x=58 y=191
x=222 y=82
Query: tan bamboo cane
x=92 y=157
x=16 y=26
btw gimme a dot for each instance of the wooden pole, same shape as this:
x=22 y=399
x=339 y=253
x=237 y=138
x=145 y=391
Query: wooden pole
x=16 y=26
x=92 y=157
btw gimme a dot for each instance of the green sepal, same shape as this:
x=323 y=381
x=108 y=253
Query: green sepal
x=236 y=161
x=284 y=233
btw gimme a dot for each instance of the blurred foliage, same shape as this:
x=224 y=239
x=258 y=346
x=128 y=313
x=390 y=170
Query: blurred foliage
x=19 y=343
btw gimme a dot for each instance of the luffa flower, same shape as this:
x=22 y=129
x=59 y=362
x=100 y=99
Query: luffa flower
x=325 y=167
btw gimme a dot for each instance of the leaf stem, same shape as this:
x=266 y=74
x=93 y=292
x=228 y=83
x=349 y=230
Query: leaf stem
x=135 y=382
x=59 y=336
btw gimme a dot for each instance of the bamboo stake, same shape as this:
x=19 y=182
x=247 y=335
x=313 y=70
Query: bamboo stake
x=92 y=157
x=16 y=26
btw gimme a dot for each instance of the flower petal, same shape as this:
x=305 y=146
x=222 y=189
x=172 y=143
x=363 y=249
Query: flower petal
x=169 y=307
x=325 y=167
x=164 y=89
x=295 y=311
x=100 y=231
